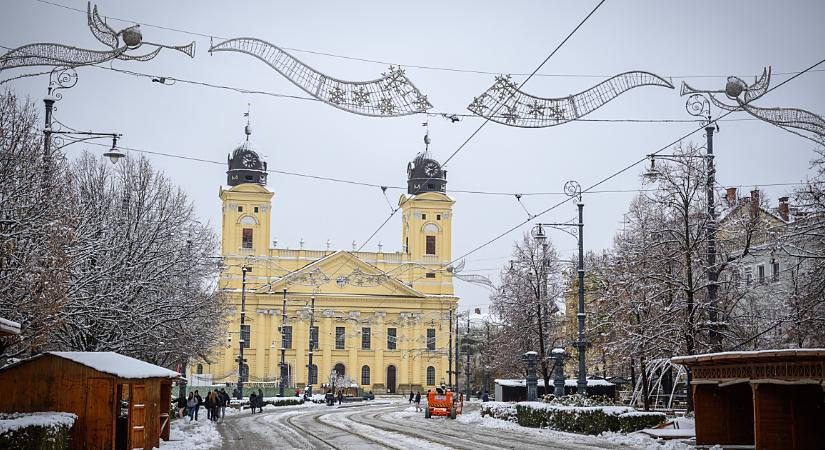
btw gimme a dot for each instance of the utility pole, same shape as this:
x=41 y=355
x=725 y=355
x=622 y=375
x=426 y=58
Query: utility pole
x=282 y=384
x=241 y=340
x=713 y=276
x=308 y=390
x=455 y=387
x=450 y=351
x=581 y=383
x=467 y=364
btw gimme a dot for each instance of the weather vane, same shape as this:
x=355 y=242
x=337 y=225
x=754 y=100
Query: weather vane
x=391 y=95
x=120 y=44
x=743 y=94
x=504 y=103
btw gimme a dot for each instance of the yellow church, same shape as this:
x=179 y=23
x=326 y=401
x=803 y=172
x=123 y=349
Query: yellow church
x=380 y=320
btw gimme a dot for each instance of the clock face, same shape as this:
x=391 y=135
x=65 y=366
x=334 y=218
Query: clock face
x=431 y=169
x=249 y=160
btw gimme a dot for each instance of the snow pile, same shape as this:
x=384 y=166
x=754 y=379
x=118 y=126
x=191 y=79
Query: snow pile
x=16 y=421
x=608 y=439
x=192 y=434
x=576 y=419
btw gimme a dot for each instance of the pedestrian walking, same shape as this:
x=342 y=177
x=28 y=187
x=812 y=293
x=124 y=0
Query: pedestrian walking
x=253 y=401
x=191 y=402
x=181 y=404
x=485 y=397
x=412 y=396
x=260 y=400
x=340 y=396
x=417 y=401
x=209 y=404
x=224 y=401
x=199 y=402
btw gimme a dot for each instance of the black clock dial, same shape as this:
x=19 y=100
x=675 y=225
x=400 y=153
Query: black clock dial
x=249 y=160
x=431 y=169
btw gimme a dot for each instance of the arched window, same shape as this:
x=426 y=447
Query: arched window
x=340 y=370
x=431 y=376
x=200 y=369
x=313 y=374
x=365 y=376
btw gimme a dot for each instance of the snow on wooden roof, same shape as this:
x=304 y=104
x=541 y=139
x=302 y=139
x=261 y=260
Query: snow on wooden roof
x=757 y=354
x=116 y=364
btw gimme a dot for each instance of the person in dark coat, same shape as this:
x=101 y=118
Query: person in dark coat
x=260 y=400
x=253 y=401
x=340 y=396
x=200 y=403
x=412 y=396
x=223 y=402
x=181 y=404
x=485 y=397
x=417 y=401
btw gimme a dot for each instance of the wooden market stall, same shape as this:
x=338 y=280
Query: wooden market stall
x=121 y=402
x=770 y=399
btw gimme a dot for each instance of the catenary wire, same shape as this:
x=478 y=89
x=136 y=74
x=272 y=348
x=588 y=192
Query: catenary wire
x=488 y=119
x=385 y=63
x=619 y=172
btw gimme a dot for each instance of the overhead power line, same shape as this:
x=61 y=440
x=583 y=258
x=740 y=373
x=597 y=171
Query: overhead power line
x=620 y=171
x=488 y=119
x=390 y=63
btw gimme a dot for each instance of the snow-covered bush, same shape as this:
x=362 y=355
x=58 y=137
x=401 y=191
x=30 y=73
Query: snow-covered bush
x=578 y=400
x=274 y=401
x=36 y=431
x=499 y=410
x=574 y=419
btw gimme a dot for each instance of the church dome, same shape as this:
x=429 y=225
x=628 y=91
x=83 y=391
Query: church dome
x=245 y=165
x=424 y=174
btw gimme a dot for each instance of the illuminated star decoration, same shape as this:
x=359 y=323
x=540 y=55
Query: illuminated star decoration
x=396 y=94
x=506 y=104
x=743 y=94
x=59 y=55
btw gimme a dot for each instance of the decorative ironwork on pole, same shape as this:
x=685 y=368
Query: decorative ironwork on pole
x=504 y=103
x=120 y=43
x=743 y=94
x=391 y=95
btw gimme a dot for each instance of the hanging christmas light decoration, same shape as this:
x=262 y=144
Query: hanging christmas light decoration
x=120 y=44
x=743 y=94
x=506 y=104
x=391 y=95
x=480 y=280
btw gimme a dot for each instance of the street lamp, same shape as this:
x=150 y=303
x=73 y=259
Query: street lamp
x=699 y=106
x=531 y=358
x=282 y=364
x=242 y=341
x=573 y=189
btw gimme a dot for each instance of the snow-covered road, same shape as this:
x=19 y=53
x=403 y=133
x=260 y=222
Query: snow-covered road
x=396 y=425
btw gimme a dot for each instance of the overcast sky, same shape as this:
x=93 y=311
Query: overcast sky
x=704 y=40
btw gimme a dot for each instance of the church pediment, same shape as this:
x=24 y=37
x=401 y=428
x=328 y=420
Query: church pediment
x=344 y=273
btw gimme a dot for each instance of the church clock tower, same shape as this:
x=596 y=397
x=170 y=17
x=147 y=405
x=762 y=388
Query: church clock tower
x=427 y=212
x=246 y=204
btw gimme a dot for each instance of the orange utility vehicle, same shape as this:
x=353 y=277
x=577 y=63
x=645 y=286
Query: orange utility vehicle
x=443 y=404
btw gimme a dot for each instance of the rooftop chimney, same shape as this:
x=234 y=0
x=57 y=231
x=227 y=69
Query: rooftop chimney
x=730 y=197
x=784 y=209
x=754 y=202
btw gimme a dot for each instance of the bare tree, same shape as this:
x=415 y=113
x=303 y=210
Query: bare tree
x=526 y=306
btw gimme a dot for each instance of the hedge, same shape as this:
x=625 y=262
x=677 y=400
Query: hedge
x=574 y=419
x=36 y=431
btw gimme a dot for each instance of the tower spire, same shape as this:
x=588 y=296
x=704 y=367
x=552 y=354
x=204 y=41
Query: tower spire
x=248 y=129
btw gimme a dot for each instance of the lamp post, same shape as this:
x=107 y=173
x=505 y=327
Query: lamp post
x=242 y=341
x=530 y=358
x=573 y=189
x=282 y=364
x=467 y=364
x=312 y=344
x=698 y=105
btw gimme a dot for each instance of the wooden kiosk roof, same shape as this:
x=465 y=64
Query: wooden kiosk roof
x=767 y=399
